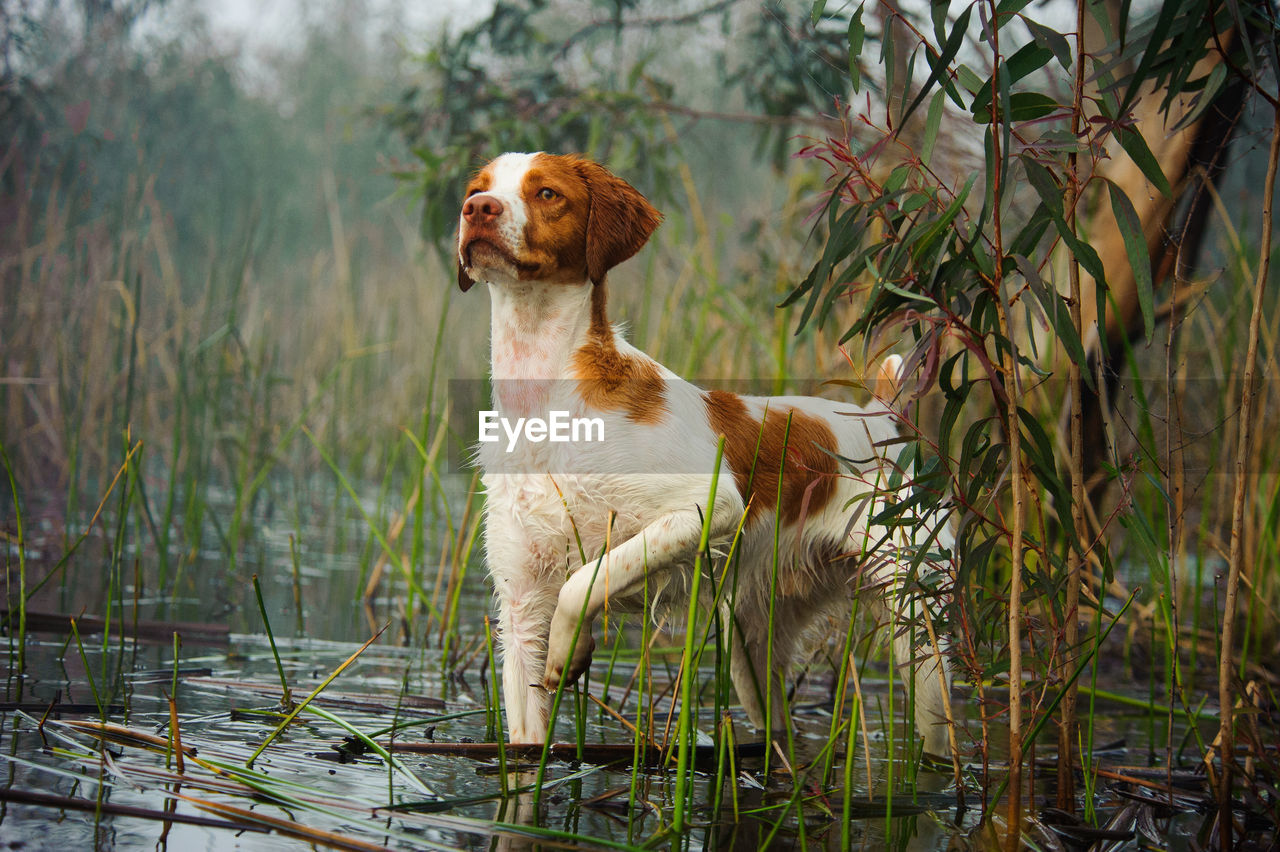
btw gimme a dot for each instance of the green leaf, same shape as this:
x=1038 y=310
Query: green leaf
x=888 y=53
x=896 y=180
x=1029 y=59
x=931 y=125
x=938 y=14
x=1204 y=99
x=815 y=14
x=843 y=240
x=1051 y=194
x=1040 y=450
x=938 y=66
x=1156 y=43
x=968 y=79
x=1030 y=232
x=1045 y=186
x=906 y=294
x=1053 y=40
x=1059 y=316
x=1023 y=106
x=913 y=202
x=1011 y=7
x=1135 y=244
x=857 y=33
x=944 y=221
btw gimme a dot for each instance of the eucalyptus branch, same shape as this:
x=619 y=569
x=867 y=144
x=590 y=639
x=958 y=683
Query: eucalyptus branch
x=655 y=22
x=1017 y=468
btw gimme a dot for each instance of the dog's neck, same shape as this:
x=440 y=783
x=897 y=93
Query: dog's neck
x=536 y=328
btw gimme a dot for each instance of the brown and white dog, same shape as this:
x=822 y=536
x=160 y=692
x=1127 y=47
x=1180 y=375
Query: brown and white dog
x=573 y=528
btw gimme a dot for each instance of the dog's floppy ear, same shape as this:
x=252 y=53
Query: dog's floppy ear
x=619 y=222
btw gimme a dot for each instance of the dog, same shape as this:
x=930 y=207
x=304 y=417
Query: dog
x=571 y=529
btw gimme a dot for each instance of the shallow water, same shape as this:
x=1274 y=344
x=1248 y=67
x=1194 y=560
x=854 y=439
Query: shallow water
x=228 y=689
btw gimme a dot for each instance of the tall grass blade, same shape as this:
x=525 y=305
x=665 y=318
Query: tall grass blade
x=688 y=715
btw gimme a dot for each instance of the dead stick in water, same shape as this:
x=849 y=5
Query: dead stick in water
x=600 y=753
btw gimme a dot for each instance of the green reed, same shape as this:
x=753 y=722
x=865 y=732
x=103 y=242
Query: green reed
x=688 y=711
x=20 y=636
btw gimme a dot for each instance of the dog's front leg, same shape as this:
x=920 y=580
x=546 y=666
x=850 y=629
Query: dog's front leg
x=526 y=594
x=670 y=541
x=523 y=615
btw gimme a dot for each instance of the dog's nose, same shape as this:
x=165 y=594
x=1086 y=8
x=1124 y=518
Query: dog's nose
x=481 y=208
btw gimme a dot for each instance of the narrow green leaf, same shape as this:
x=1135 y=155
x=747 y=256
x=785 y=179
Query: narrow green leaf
x=1205 y=98
x=1051 y=194
x=1030 y=233
x=857 y=33
x=971 y=81
x=1135 y=244
x=907 y=294
x=1027 y=60
x=938 y=14
x=1059 y=316
x=1045 y=186
x=944 y=221
x=887 y=54
x=913 y=202
x=815 y=14
x=1155 y=45
x=1055 y=41
x=1004 y=90
x=896 y=180
x=939 y=66
x=931 y=125
x=1007 y=8
x=1040 y=450
x=840 y=244
x=1022 y=106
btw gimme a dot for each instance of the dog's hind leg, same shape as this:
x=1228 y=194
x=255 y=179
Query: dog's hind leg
x=760 y=646
x=757 y=683
x=925 y=669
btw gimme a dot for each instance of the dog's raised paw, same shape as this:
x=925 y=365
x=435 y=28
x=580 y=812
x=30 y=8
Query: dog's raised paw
x=577 y=664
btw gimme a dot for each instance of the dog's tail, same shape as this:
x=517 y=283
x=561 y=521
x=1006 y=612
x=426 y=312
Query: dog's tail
x=888 y=379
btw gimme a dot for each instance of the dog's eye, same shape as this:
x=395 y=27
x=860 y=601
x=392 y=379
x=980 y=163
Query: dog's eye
x=547 y=193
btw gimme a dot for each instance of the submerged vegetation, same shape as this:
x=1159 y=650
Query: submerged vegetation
x=228 y=334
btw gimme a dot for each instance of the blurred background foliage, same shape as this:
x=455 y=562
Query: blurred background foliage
x=102 y=99
x=284 y=209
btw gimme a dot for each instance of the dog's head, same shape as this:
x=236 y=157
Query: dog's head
x=548 y=217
